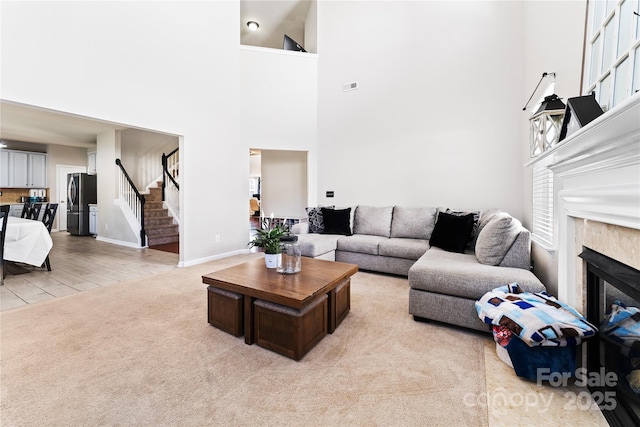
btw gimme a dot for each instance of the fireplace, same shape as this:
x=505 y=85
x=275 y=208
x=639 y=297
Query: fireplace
x=613 y=354
x=596 y=182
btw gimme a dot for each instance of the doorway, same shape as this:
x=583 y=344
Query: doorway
x=61 y=186
x=278 y=180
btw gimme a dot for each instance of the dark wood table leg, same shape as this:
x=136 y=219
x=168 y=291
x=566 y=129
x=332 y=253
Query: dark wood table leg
x=332 y=311
x=248 y=320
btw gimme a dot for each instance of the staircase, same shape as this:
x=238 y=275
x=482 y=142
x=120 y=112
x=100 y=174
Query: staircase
x=158 y=225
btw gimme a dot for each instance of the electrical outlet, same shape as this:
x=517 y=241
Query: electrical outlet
x=106 y=226
x=217 y=238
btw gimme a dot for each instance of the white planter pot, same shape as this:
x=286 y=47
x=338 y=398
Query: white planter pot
x=272 y=260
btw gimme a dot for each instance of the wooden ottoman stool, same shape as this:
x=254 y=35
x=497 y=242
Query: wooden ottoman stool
x=289 y=331
x=342 y=304
x=226 y=310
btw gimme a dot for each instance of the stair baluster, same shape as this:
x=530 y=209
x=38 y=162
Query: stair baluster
x=170 y=186
x=132 y=197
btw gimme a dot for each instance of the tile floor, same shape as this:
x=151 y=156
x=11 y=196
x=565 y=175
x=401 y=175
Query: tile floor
x=79 y=263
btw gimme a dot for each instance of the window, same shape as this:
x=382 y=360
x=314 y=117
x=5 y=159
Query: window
x=542 y=231
x=612 y=49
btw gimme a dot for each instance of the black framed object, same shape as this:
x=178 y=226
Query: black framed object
x=579 y=111
x=290 y=44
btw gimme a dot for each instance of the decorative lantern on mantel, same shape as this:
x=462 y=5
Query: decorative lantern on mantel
x=546 y=124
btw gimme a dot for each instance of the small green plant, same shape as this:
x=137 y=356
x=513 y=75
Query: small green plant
x=268 y=238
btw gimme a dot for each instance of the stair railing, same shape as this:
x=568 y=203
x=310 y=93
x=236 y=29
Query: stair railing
x=130 y=195
x=170 y=186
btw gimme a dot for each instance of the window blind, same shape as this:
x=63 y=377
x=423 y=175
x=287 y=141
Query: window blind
x=543 y=206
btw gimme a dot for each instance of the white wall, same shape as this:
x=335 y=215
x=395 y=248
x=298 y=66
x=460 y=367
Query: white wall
x=278 y=95
x=112 y=222
x=166 y=66
x=254 y=165
x=437 y=119
x=284 y=183
x=279 y=104
x=141 y=155
x=549 y=24
x=311 y=28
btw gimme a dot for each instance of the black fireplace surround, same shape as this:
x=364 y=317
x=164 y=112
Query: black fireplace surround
x=609 y=281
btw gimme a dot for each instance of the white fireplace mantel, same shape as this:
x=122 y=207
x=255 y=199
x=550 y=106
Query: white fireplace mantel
x=596 y=176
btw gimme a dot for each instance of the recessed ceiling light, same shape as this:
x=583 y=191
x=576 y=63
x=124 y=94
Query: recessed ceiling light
x=253 y=25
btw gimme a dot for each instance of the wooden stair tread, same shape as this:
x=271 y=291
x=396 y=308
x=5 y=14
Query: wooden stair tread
x=171 y=225
x=158 y=224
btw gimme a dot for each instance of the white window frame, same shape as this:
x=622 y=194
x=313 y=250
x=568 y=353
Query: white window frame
x=606 y=79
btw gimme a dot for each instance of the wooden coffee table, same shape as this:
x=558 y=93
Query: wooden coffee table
x=292 y=314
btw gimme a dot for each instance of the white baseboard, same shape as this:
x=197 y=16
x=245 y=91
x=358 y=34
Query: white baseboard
x=181 y=263
x=212 y=258
x=119 y=242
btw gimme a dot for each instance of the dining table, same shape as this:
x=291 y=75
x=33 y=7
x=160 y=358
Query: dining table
x=27 y=241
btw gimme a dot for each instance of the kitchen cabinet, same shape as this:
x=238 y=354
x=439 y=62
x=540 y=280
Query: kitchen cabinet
x=18 y=165
x=22 y=169
x=93 y=220
x=4 y=168
x=37 y=170
x=91 y=163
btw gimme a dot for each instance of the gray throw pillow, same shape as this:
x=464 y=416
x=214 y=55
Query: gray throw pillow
x=496 y=238
x=373 y=220
x=413 y=223
x=485 y=217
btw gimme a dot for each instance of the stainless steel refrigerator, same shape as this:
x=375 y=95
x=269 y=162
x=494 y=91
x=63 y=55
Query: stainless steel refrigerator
x=81 y=191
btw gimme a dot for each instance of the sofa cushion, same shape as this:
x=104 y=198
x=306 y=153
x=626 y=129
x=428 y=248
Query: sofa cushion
x=452 y=232
x=413 y=223
x=485 y=217
x=496 y=238
x=313 y=245
x=336 y=221
x=474 y=231
x=519 y=254
x=403 y=248
x=373 y=220
x=316 y=222
x=361 y=243
x=462 y=275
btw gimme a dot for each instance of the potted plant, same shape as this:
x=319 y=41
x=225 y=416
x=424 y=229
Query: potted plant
x=268 y=238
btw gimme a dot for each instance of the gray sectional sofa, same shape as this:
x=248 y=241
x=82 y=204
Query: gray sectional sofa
x=450 y=258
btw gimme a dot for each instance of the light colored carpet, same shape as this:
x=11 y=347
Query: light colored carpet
x=142 y=353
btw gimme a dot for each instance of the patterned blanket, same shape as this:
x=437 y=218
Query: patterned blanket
x=537 y=319
x=622 y=326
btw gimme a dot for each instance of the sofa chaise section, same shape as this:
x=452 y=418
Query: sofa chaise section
x=444 y=286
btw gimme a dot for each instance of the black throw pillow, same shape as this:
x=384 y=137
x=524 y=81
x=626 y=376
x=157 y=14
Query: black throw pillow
x=452 y=232
x=336 y=221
